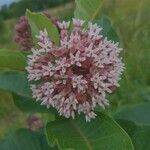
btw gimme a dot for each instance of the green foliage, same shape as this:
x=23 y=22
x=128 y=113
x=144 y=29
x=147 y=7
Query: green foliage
x=91 y=11
x=2 y=26
x=38 y=22
x=108 y=30
x=100 y=133
x=17 y=9
x=4 y=13
x=4 y=96
x=139 y=113
x=139 y=134
x=27 y=104
x=25 y=139
x=11 y=117
x=12 y=60
x=53 y=3
x=15 y=82
x=88 y=10
x=130 y=22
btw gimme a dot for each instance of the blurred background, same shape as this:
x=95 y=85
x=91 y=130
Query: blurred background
x=130 y=19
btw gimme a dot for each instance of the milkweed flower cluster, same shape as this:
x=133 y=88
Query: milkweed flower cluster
x=23 y=35
x=75 y=76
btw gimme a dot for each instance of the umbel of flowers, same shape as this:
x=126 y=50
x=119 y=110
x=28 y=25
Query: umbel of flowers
x=74 y=77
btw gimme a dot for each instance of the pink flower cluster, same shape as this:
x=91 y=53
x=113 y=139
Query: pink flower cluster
x=23 y=33
x=75 y=76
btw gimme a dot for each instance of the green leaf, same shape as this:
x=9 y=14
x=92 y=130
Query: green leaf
x=12 y=60
x=39 y=21
x=139 y=113
x=88 y=10
x=25 y=139
x=140 y=135
x=108 y=30
x=15 y=82
x=100 y=133
x=30 y=105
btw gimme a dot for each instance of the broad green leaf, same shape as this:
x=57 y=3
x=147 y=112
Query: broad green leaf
x=39 y=21
x=140 y=135
x=27 y=104
x=100 y=133
x=108 y=30
x=25 y=139
x=139 y=113
x=88 y=10
x=15 y=82
x=12 y=60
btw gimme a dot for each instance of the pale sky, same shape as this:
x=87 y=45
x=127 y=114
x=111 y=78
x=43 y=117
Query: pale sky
x=2 y=2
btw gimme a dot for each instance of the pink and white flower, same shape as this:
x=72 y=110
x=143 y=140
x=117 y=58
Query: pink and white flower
x=76 y=76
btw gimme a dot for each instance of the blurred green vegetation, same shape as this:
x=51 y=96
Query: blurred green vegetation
x=11 y=117
x=130 y=20
x=18 y=8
